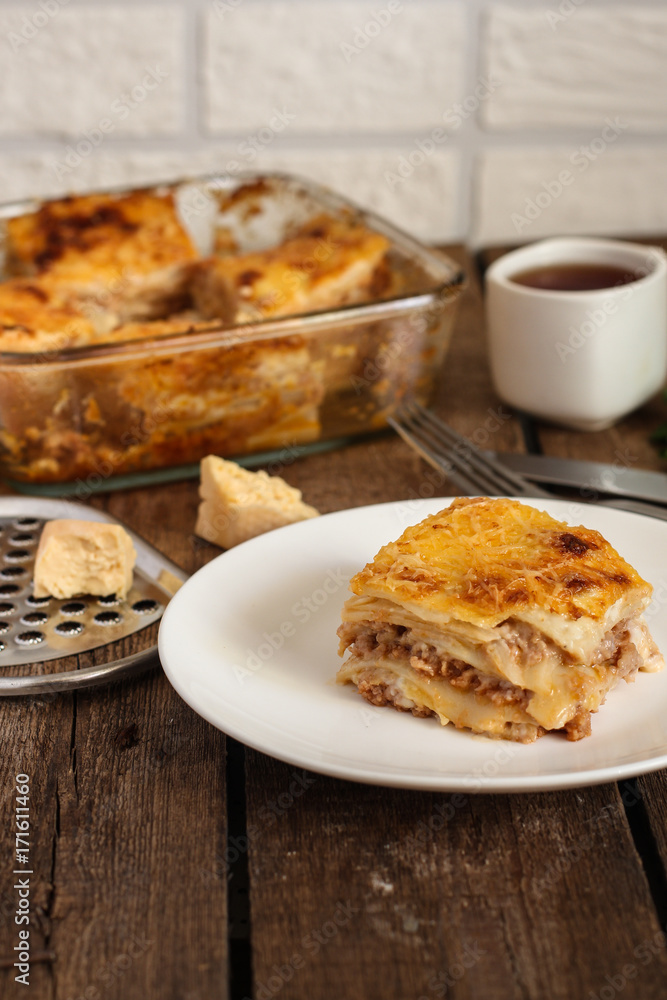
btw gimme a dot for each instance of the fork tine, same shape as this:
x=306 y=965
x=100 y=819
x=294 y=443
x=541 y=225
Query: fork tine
x=466 y=479
x=437 y=461
x=424 y=430
x=420 y=439
x=484 y=477
x=508 y=481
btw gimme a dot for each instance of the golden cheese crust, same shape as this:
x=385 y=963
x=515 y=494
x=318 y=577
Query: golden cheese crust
x=34 y=317
x=99 y=237
x=104 y=269
x=328 y=263
x=482 y=561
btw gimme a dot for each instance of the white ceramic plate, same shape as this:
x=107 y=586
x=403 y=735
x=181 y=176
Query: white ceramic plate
x=250 y=643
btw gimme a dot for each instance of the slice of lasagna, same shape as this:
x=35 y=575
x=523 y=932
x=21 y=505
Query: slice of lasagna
x=498 y=618
x=327 y=263
x=35 y=318
x=126 y=257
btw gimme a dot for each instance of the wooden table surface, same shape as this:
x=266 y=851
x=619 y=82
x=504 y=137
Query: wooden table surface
x=170 y=862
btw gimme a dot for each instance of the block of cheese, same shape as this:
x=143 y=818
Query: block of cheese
x=83 y=557
x=237 y=504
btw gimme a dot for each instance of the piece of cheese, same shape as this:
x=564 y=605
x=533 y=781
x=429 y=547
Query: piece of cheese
x=238 y=504
x=83 y=557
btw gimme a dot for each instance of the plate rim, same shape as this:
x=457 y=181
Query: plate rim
x=444 y=782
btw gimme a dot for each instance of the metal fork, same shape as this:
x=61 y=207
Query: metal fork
x=472 y=470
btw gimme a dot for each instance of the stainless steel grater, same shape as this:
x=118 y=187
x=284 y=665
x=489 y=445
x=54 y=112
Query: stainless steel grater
x=33 y=630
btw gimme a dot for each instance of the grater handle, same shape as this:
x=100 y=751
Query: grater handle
x=72 y=680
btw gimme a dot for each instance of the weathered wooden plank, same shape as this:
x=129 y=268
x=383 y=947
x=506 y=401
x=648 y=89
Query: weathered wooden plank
x=139 y=904
x=362 y=891
x=130 y=820
x=35 y=741
x=359 y=891
x=653 y=789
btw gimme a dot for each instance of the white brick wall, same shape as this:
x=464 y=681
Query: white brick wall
x=85 y=66
x=335 y=66
x=573 y=70
x=449 y=116
x=526 y=194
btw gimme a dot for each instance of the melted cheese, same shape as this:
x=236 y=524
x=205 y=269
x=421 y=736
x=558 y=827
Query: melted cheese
x=99 y=238
x=483 y=561
x=450 y=704
x=328 y=263
x=557 y=684
x=115 y=259
x=35 y=317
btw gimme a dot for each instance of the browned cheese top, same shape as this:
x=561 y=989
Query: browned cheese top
x=485 y=560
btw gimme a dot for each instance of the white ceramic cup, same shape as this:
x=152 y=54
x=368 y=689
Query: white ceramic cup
x=582 y=359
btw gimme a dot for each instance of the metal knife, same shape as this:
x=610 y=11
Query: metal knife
x=592 y=478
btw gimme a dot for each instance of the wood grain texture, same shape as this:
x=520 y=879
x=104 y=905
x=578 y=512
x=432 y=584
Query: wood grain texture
x=129 y=820
x=653 y=788
x=356 y=891
x=361 y=892
x=36 y=736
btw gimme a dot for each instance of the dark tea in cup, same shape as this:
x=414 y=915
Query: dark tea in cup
x=575 y=277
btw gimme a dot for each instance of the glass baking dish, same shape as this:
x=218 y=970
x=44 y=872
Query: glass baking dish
x=87 y=419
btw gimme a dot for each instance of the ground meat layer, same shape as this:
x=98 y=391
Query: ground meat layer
x=617 y=652
x=397 y=642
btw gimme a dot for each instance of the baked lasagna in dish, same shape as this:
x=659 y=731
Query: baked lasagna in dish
x=326 y=264
x=123 y=257
x=36 y=317
x=496 y=617
x=118 y=269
